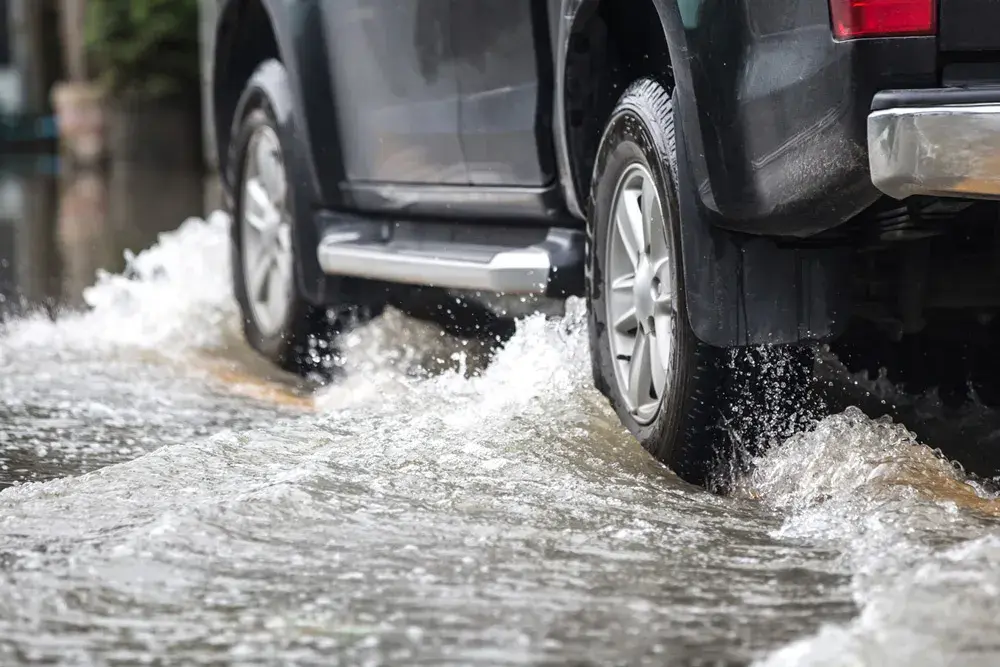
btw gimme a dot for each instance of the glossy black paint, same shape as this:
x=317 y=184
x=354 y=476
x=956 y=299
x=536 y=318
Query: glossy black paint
x=463 y=202
x=772 y=119
x=774 y=109
x=455 y=110
x=395 y=80
x=969 y=25
x=745 y=289
x=299 y=43
x=563 y=16
x=504 y=66
x=416 y=94
x=399 y=98
x=972 y=69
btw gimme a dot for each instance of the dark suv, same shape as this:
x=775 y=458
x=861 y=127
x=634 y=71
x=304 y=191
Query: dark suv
x=709 y=173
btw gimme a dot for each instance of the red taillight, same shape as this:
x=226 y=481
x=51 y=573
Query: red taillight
x=878 y=18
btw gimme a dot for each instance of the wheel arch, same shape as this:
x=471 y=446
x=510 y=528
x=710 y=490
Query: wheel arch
x=740 y=290
x=250 y=32
x=602 y=46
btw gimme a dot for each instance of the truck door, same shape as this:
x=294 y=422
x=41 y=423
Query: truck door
x=396 y=89
x=503 y=55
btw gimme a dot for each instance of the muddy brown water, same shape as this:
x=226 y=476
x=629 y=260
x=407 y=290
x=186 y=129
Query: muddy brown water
x=170 y=500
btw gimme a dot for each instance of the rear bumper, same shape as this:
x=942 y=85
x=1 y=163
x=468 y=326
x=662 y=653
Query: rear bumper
x=936 y=142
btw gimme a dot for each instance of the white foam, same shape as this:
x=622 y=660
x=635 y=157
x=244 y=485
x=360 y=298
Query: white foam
x=176 y=295
x=923 y=574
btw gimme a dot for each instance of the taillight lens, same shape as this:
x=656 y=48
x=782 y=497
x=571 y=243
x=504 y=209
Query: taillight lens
x=880 y=18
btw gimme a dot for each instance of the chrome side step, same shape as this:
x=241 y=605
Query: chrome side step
x=503 y=269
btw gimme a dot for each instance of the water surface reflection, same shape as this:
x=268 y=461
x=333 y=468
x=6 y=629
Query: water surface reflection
x=59 y=228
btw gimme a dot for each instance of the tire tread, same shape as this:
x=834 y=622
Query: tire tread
x=687 y=435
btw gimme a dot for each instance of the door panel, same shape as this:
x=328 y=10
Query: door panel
x=504 y=68
x=396 y=89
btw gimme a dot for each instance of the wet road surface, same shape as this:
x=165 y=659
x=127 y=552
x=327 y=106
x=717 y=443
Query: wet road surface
x=170 y=500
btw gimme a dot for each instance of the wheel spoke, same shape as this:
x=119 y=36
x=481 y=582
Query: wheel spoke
x=659 y=251
x=282 y=264
x=626 y=232
x=256 y=222
x=284 y=238
x=630 y=200
x=664 y=324
x=624 y=283
x=640 y=292
x=639 y=377
x=279 y=186
x=259 y=272
x=270 y=168
x=663 y=304
x=657 y=368
x=264 y=155
x=275 y=296
x=661 y=268
x=649 y=206
x=627 y=322
x=259 y=207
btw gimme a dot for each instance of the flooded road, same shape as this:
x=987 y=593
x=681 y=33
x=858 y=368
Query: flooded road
x=169 y=500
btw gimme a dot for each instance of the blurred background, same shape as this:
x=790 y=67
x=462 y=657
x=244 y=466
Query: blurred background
x=102 y=139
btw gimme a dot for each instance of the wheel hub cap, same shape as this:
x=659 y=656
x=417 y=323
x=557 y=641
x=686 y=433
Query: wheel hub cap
x=640 y=293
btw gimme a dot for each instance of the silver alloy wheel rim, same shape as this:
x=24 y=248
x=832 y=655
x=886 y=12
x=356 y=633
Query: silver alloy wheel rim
x=266 y=232
x=640 y=290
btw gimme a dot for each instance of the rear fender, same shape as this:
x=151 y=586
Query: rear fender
x=749 y=290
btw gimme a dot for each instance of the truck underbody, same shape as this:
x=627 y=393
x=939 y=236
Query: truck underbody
x=926 y=294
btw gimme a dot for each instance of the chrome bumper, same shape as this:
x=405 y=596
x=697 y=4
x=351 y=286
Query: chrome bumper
x=948 y=150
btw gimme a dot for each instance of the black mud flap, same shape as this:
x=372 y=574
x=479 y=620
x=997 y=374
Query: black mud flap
x=749 y=290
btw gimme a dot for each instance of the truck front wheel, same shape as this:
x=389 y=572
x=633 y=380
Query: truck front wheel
x=278 y=320
x=663 y=383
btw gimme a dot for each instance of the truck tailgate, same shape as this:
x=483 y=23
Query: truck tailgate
x=969 y=25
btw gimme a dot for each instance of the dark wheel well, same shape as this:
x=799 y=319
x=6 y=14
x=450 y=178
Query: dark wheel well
x=245 y=39
x=612 y=44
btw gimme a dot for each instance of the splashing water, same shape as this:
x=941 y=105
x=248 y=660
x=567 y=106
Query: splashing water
x=174 y=296
x=912 y=533
x=123 y=377
x=417 y=511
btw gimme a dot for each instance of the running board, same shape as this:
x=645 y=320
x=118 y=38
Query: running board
x=551 y=265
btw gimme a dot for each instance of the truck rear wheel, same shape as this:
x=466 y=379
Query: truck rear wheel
x=663 y=383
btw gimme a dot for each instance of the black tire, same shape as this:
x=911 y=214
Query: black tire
x=302 y=342
x=685 y=432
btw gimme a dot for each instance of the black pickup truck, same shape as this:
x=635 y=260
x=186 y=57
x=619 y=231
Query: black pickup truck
x=710 y=174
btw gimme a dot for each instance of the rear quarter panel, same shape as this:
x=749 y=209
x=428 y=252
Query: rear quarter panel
x=774 y=109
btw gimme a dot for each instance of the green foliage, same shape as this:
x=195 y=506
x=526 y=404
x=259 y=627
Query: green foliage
x=144 y=48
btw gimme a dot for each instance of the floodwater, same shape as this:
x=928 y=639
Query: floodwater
x=170 y=500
